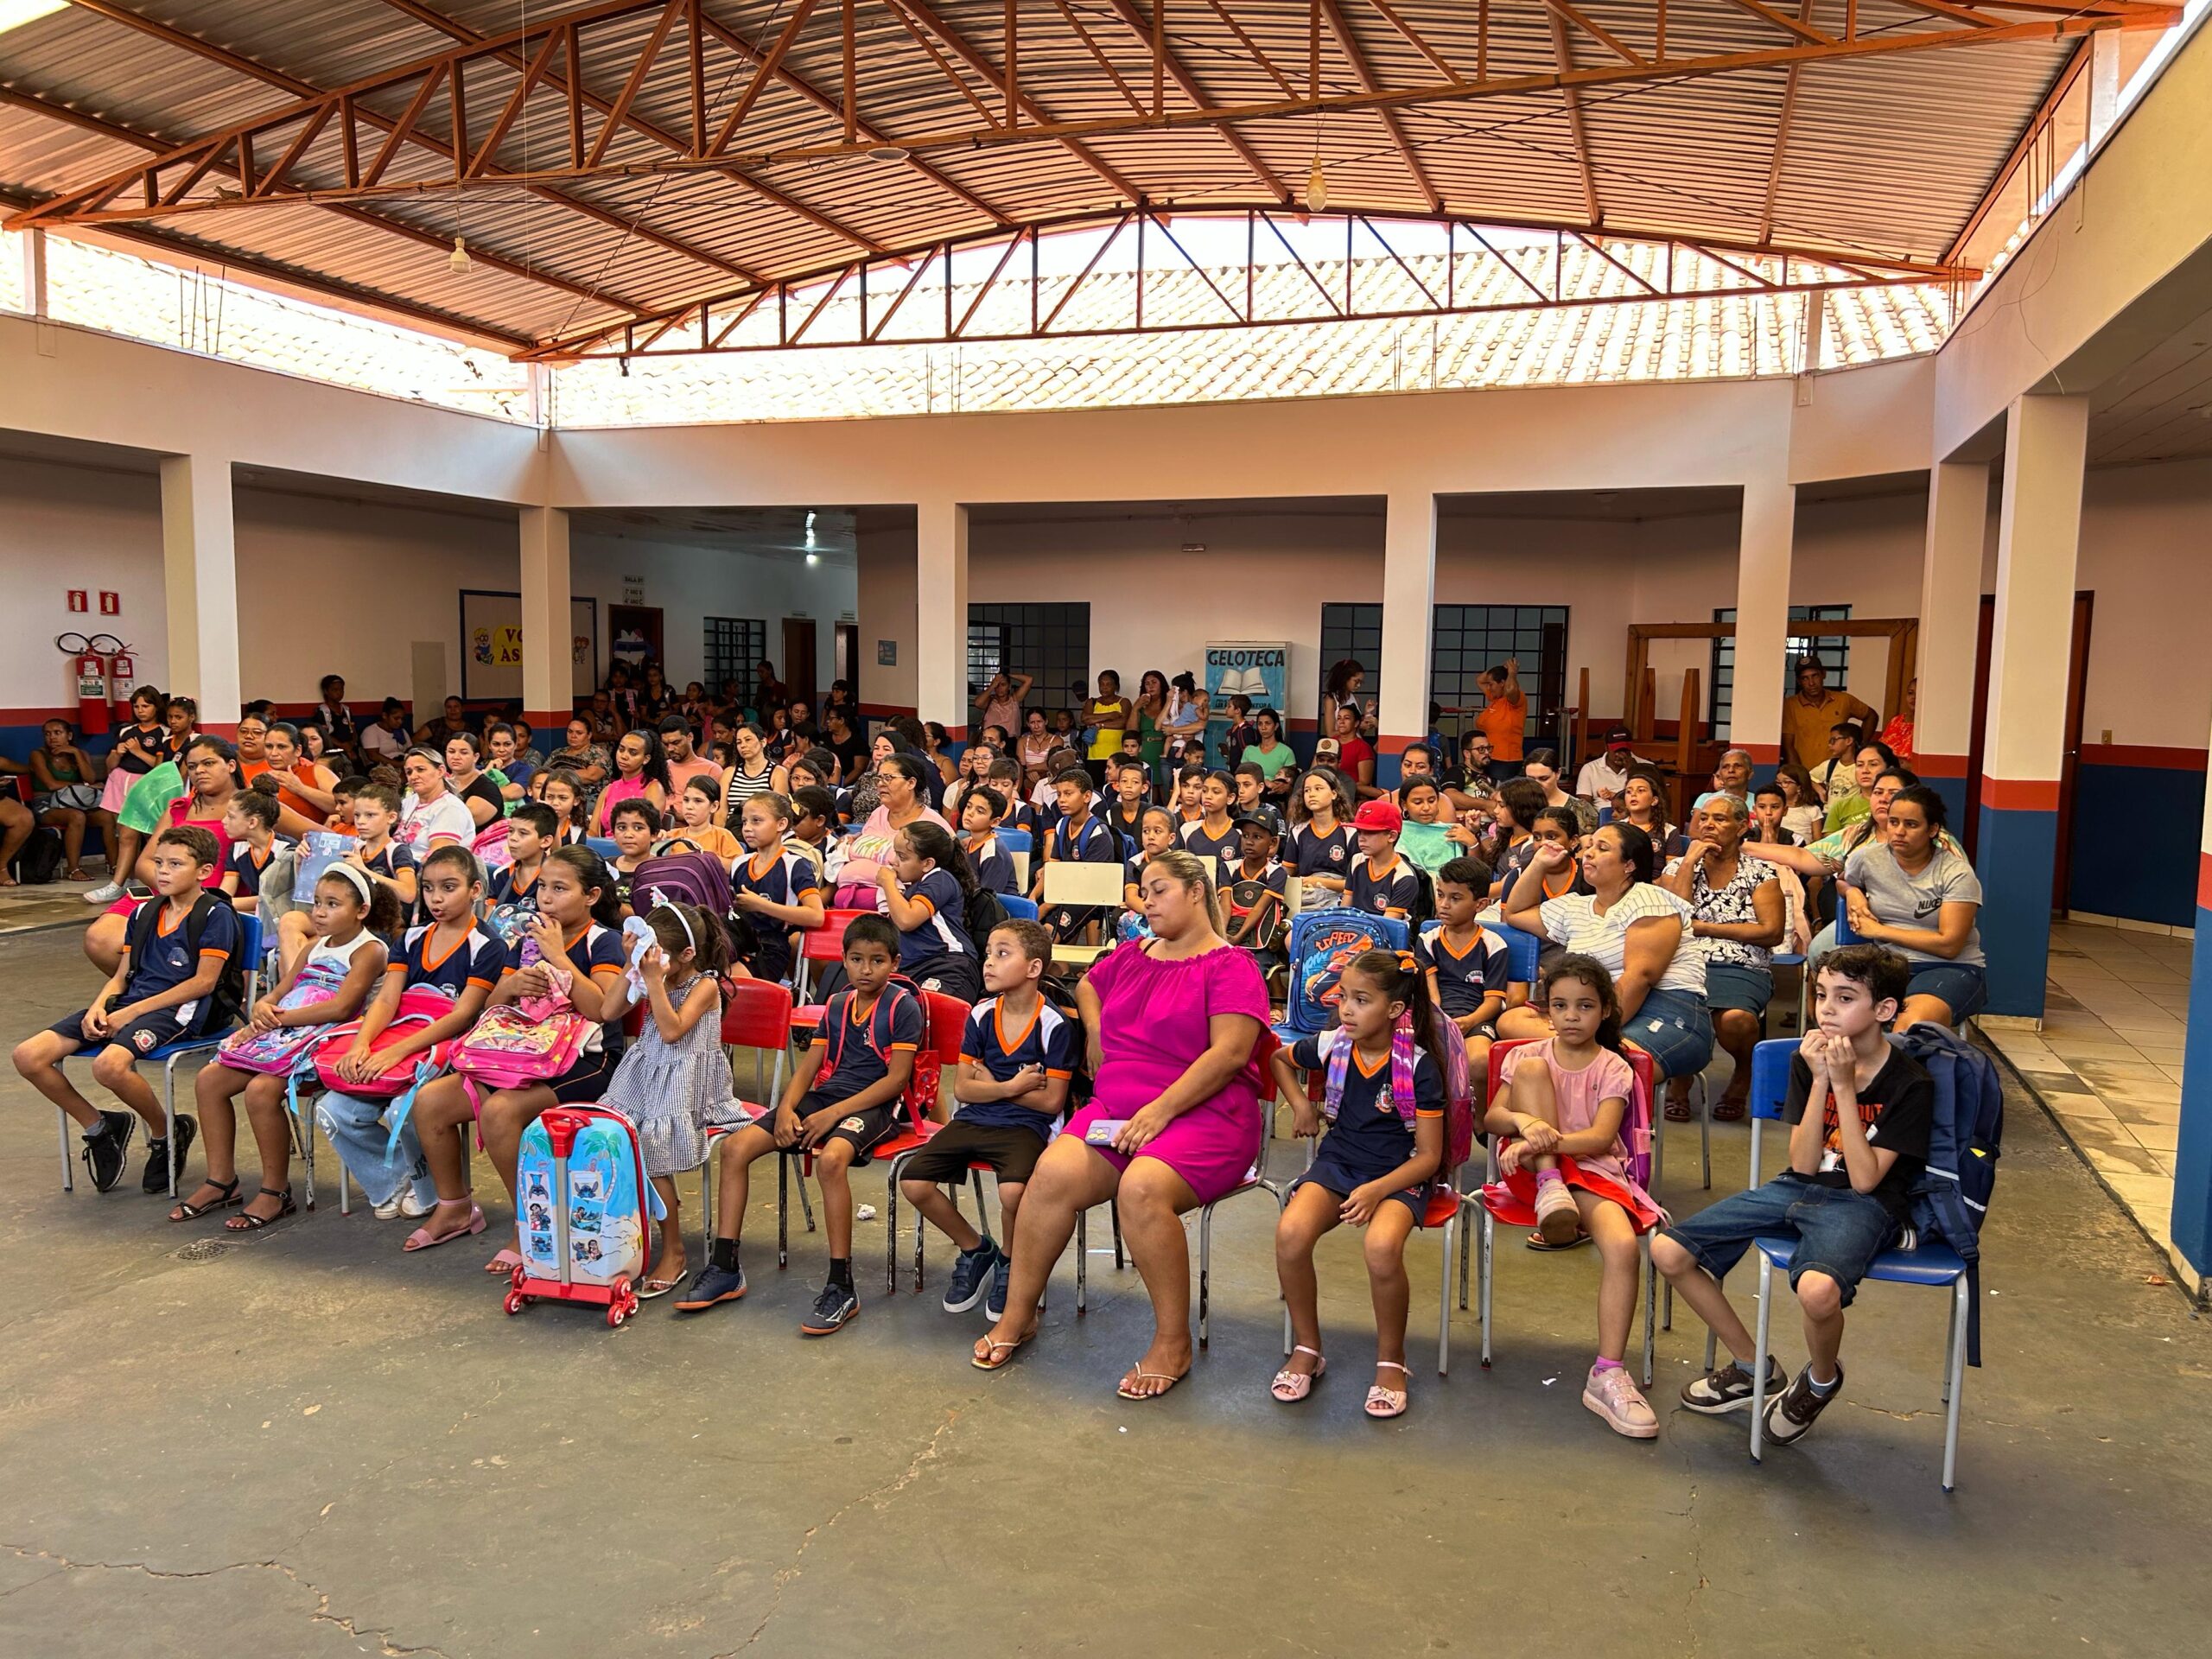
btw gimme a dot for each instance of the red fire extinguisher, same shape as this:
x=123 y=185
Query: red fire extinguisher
x=121 y=671
x=90 y=668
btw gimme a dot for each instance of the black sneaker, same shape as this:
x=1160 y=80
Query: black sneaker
x=832 y=1309
x=969 y=1273
x=994 y=1304
x=1717 y=1393
x=157 y=1177
x=713 y=1285
x=104 y=1148
x=1791 y=1412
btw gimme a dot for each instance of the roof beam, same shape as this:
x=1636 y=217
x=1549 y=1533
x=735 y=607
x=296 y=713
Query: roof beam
x=1781 y=134
x=2030 y=133
x=146 y=141
x=302 y=89
x=99 y=202
x=1394 y=128
x=1563 y=50
x=1144 y=28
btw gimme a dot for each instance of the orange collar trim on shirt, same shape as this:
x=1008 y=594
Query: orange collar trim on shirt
x=1367 y=1070
x=998 y=1026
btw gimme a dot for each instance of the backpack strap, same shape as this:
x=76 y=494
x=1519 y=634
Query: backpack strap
x=1403 y=1060
x=1340 y=1066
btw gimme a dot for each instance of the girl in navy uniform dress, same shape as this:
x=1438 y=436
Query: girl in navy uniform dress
x=927 y=886
x=772 y=886
x=1322 y=846
x=1372 y=1168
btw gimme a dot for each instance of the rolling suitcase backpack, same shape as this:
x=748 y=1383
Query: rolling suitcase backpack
x=583 y=1212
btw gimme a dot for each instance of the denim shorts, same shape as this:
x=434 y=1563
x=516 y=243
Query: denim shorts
x=1961 y=986
x=1677 y=1030
x=1733 y=985
x=1839 y=1232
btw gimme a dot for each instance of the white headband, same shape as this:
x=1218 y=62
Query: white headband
x=359 y=881
x=682 y=921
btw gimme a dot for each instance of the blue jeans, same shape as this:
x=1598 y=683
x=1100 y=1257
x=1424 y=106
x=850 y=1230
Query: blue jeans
x=1676 y=1028
x=356 y=1131
x=1838 y=1231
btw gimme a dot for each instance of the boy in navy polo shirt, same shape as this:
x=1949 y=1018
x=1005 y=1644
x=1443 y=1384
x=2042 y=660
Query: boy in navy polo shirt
x=1380 y=881
x=1077 y=837
x=841 y=1100
x=1015 y=1060
x=1468 y=966
x=162 y=991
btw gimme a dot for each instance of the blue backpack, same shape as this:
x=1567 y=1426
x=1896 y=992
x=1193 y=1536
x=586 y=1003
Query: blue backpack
x=1322 y=945
x=1951 y=1199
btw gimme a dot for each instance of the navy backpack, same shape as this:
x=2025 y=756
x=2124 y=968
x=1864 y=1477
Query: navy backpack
x=1951 y=1199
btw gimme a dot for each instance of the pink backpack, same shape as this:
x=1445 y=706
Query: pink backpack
x=419 y=1006
x=517 y=1044
x=1458 y=1089
x=274 y=1053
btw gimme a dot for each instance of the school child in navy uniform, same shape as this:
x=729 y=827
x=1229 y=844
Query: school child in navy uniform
x=1016 y=1058
x=1077 y=837
x=1380 y=881
x=841 y=1100
x=774 y=885
x=1322 y=846
x=1214 y=834
x=927 y=887
x=162 y=990
x=992 y=865
x=1468 y=967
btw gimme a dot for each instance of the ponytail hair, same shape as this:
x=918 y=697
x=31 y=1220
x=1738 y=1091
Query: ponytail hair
x=1588 y=970
x=591 y=872
x=1398 y=975
x=935 y=843
x=688 y=927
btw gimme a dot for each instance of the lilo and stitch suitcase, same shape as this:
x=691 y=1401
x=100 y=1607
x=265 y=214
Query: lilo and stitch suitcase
x=583 y=1212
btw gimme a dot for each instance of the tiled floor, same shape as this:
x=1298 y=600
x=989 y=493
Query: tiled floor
x=2108 y=1060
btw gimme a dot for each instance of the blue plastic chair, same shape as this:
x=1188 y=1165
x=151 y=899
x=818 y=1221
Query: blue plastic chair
x=602 y=845
x=1933 y=1265
x=1017 y=841
x=170 y=1053
x=1020 y=909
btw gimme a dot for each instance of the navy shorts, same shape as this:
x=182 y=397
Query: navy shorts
x=141 y=1036
x=862 y=1131
x=1334 y=1174
x=1839 y=1232
x=585 y=1083
x=1962 y=985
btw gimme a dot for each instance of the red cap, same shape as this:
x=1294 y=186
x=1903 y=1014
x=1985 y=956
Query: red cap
x=1379 y=815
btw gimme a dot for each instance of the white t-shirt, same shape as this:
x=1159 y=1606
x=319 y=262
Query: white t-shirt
x=422 y=822
x=383 y=744
x=1574 y=922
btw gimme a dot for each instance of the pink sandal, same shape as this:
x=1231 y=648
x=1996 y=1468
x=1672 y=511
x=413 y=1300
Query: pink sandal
x=423 y=1239
x=1384 y=1402
x=1290 y=1387
x=504 y=1263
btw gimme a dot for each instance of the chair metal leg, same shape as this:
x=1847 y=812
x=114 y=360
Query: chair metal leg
x=1658 y=1142
x=168 y=1117
x=1705 y=1129
x=1467 y=1249
x=1712 y=1349
x=1205 y=1268
x=1114 y=1214
x=782 y=1211
x=1650 y=1292
x=68 y=1164
x=891 y=1233
x=1443 y=1303
x=806 y=1204
x=1758 y=1359
x=1950 y=1331
x=1667 y=1319
x=1956 y=1384
x=1486 y=1264
x=706 y=1202
x=1081 y=1258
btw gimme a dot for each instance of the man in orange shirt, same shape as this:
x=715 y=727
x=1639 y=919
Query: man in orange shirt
x=1807 y=717
x=1503 y=718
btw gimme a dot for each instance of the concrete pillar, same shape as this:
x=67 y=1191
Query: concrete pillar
x=941 y=615
x=1950 y=615
x=1764 y=544
x=2039 y=534
x=1408 y=626
x=549 y=694
x=2192 y=1213
x=200 y=583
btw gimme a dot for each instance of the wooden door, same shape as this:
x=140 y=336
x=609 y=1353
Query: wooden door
x=798 y=664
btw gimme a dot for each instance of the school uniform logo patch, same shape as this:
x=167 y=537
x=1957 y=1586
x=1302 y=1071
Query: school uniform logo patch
x=852 y=1124
x=143 y=1040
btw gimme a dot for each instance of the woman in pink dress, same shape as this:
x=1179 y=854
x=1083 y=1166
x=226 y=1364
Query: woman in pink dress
x=1175 y=1024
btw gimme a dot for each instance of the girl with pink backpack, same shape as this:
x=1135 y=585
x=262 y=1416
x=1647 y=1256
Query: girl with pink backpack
x=551 y=1034
x=327 y=986
x=1400 y=1118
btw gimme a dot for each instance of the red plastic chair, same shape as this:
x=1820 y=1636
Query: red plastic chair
x=824 y=943
x=944 y=1022
x=1638 y=1131
x=756 y=1015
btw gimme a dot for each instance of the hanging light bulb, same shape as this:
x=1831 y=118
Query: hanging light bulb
x=461 y=264
x=1317 y=187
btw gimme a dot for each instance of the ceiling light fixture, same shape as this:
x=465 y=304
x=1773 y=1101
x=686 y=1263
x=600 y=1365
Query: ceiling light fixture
x=1317 y=187
x=459 y=263
x=885 y=153
x=814 y=558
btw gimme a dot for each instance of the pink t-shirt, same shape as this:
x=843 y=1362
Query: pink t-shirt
x=1579 y=1094
x=613 y=795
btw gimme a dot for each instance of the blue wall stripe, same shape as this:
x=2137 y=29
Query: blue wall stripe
x=2015 y=859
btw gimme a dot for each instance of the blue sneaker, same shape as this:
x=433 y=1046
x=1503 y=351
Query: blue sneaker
x=832 y=1309
x=713 y=1285
x=994 y=1304
x=968 y=1274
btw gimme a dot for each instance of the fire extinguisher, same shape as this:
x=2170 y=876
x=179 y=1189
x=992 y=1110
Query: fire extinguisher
x=90 y=668
x=121 y=671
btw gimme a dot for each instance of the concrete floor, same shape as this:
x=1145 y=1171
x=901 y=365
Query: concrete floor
x=309 y=1445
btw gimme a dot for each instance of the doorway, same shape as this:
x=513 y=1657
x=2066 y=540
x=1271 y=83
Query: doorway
x=798 y=659
x=2077 y=674
x=844 y=647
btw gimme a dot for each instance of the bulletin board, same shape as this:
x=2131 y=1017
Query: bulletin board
x=492 y=646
